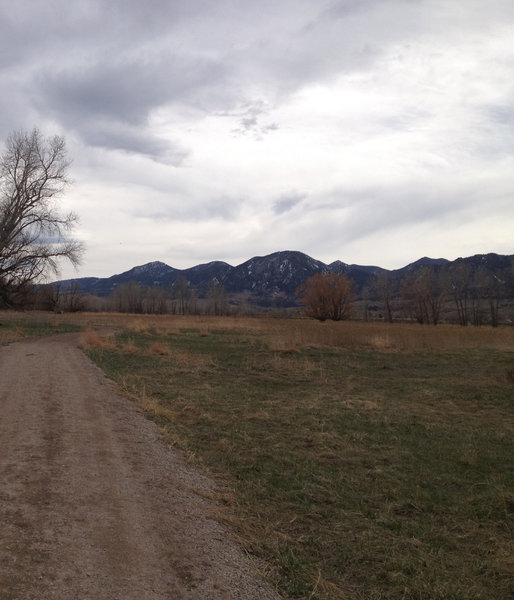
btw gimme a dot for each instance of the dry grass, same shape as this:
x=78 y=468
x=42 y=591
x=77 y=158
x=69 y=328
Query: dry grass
x=180 y=360
x=92 y=339
x=297 y=334
x=290 y=335
x=129 y=347
x=159 y=348
x=19 y=333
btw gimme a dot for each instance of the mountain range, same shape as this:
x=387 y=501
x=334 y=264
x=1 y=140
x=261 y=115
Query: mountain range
x=273 y=278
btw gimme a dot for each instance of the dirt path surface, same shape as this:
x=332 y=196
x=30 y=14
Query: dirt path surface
x=93 y=505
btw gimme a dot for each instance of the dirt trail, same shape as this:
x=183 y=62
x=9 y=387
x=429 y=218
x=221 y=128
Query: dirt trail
x=93 y=505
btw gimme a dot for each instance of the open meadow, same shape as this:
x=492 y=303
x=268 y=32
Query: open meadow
x=361 y=460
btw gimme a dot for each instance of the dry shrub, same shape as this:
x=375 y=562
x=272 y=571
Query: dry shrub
x=159 y=349
x=140 y=326
x=129 y=347
x=19 y=333
x=92 y=339
x=9 y=335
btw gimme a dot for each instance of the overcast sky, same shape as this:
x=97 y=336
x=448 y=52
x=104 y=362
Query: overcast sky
x=367 y=131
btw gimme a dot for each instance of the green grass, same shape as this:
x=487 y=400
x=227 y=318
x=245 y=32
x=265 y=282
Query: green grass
x=357 y=473
x=14 y=327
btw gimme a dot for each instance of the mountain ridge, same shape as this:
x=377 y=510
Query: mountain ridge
x=270 y=277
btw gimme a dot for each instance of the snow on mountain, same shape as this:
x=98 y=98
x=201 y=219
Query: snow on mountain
x=273 y=278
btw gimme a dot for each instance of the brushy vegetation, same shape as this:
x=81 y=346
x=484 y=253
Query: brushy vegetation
x=363 y=461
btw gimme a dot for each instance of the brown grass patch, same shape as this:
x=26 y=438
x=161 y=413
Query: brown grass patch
x=286 y=334
x=129 y=347
x=91 y=339
x=159 y=348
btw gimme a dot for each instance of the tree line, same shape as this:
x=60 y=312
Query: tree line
x=428 y=295
x=458 y=292
x=179 y=299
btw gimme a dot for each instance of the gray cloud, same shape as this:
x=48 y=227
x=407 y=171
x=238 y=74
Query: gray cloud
x=110 y=135
x=106 y=103
x=173 y=210
x=254 y=120
x=128 y=90
x=387 y=115
x=287 y=202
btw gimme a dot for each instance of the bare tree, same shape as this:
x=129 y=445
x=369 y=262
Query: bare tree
x=460 y=282
x=424 y=294
x=128 y=298
x=492 y=285
x=216 y=298
x=49 y=297
x=155 y=301
x=385 y=289
x=327 y=296
x=73 y=300
x=183 y=294
x=33 y=231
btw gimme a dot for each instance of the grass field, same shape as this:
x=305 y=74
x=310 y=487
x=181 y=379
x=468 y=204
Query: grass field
x=361 y=460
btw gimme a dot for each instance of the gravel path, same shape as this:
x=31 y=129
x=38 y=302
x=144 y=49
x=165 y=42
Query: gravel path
x=93 y=505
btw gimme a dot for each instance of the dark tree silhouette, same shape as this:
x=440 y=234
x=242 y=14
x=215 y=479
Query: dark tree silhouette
x=34 y=233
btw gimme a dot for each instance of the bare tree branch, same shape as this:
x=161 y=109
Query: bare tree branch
x=33 y=231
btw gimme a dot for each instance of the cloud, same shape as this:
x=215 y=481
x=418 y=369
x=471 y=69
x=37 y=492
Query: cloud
x=253 y=120
x=225 y=129
x=287 y=202
x=110 y=105
x=113 y=136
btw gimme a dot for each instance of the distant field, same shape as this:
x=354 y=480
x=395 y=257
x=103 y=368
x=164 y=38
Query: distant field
x=15 y=326
x=361 y=460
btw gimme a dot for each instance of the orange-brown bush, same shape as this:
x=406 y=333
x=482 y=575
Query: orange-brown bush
x=92 y=339
x=327 y=296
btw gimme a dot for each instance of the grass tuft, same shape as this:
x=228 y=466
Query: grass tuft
x=91 y=339
x=159 y=348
